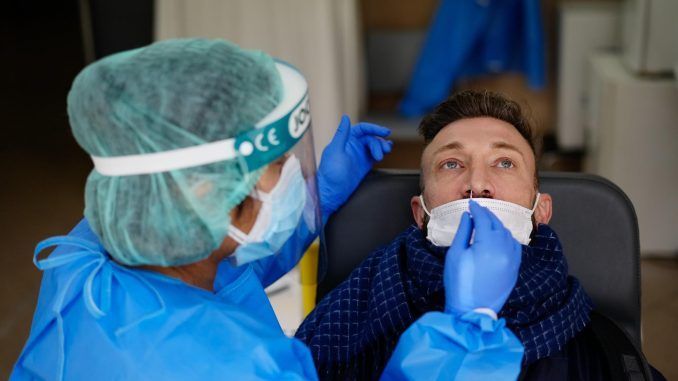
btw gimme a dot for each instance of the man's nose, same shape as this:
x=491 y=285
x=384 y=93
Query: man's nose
x=478 y=185
x=484 y=193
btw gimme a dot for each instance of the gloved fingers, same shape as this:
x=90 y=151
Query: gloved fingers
x=375 y=149
x=369 y=129
x=343 y=132
x=463 y=236
x=481 y=219
x=518 y=250
x=386 y=145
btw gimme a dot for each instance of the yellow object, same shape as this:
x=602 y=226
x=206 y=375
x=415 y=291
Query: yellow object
x=308 y=270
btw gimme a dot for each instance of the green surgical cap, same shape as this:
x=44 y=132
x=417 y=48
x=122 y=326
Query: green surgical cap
x=168 y=95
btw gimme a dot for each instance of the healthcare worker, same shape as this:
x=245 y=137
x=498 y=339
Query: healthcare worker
x=204 y=192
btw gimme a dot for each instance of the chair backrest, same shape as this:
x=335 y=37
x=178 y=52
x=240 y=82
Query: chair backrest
x=594 y=219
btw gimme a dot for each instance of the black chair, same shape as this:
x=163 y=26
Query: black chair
x=594 y=219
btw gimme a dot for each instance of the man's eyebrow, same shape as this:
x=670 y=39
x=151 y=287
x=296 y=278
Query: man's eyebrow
x=449 y=146
x=508 y=146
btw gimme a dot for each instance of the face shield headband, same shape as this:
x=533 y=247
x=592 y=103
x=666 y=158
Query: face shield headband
x=272 y=136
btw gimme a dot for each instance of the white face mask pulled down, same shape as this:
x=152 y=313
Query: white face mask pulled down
x=444 y=219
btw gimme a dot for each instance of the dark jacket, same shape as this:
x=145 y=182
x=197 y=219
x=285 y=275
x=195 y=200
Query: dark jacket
x=600 y=352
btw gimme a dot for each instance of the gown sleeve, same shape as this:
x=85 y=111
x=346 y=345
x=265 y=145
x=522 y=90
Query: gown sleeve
x=473 y=346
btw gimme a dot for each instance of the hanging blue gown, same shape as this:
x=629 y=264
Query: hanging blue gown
x=473 y=37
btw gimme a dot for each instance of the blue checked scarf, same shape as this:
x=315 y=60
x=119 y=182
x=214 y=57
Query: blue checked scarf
x=354 y=329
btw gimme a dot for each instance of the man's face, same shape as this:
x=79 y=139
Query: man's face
x=485 y=156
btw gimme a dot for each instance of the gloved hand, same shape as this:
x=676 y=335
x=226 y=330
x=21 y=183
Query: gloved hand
x=347 y=159
x=481 y=274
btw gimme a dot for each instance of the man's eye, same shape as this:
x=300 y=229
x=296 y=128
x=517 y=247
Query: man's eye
x=506 y=164
x=451 y=165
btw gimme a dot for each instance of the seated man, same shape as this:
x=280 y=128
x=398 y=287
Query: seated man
x=478 y=145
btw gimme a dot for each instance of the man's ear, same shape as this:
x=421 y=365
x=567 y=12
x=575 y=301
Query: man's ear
x=417 y=211
x=544 y=211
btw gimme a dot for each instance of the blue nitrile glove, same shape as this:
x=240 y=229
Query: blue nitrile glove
x=346 y=161
x=481 y=274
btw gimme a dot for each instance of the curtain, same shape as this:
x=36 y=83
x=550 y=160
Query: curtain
x=320 y=37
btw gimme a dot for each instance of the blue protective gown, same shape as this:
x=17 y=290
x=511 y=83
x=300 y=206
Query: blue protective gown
x=474 y=37
x=98 y=320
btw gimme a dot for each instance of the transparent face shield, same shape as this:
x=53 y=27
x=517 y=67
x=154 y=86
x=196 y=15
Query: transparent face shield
x=285 y=198
x=278 y=177
x=285 y=202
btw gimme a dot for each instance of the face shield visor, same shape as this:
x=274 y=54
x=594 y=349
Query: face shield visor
x=279 y=150
x=285 y=197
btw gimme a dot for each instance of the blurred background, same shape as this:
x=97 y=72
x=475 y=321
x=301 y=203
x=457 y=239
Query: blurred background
x=598 y=79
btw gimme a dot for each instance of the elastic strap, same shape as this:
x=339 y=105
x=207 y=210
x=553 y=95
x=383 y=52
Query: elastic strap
x=536 y=202
x=423 y=205
x=237 y=235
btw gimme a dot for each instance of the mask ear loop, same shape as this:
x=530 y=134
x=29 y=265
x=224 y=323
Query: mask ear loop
x=423 y=205
x=536 y=202
x=238 y=235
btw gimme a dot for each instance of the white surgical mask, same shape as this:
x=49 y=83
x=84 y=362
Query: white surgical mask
x=444 y=219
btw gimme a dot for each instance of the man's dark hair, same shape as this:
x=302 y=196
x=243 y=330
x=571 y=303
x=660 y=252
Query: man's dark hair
x=476 y=104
